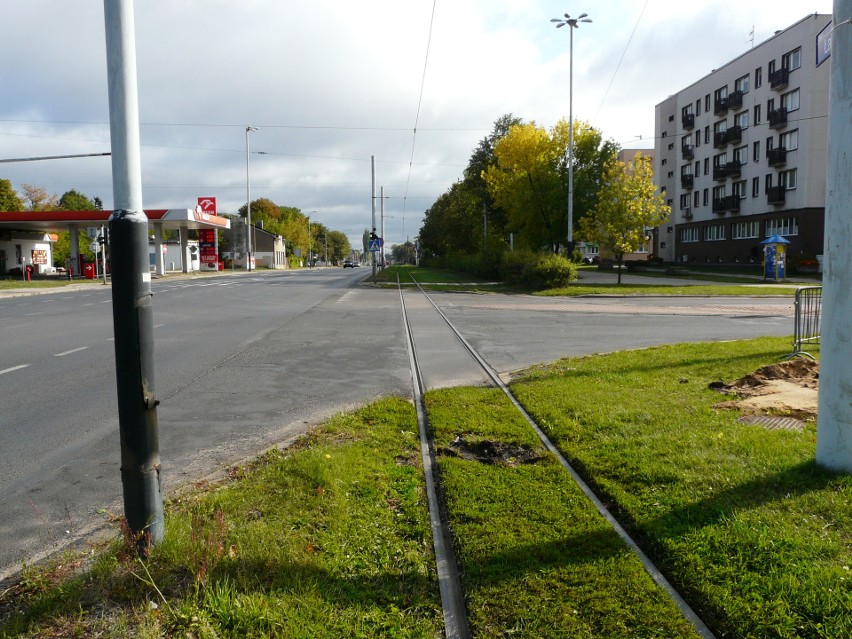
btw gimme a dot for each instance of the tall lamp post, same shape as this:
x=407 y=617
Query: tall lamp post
x=249 y=129
x=310 y=243
x=573 y=23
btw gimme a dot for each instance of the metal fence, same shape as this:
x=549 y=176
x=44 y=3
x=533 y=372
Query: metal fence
x=808 y=314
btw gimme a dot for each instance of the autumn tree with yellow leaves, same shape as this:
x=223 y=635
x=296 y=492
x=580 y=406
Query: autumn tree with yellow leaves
x=627 y=205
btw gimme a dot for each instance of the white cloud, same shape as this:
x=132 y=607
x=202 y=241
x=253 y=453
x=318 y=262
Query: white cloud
x=331 y=83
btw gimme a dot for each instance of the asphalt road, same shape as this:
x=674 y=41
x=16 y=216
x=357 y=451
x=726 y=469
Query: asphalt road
x=246 y=361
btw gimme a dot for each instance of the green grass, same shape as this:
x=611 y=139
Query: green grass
x=697 y=290
x=424 y=275
x=328 y=539
x=10 y=284
x=536 y=558
x=740 y=518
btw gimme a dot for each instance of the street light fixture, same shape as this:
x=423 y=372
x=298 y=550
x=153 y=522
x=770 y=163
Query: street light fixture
x=573 y=23
x=249 y=129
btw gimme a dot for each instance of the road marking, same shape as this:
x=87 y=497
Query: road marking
x=107 y=302
x=31 y=314
x=73 y=350
x=14 y=368
x=158 y=325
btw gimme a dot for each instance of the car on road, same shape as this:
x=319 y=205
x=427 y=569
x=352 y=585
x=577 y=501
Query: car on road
x=350 y=264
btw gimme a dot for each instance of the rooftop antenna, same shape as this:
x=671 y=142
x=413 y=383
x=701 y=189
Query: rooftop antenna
x=751 y=36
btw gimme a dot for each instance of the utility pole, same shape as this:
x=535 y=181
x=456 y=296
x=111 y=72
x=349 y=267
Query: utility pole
x=132 y=308
x=382 y=196
x=373 y=199
x=834 y=426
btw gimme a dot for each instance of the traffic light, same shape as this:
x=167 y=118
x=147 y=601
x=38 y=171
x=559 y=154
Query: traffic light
x=373 y=236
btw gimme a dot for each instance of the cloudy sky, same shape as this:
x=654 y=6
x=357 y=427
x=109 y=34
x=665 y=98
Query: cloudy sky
x=415 y=83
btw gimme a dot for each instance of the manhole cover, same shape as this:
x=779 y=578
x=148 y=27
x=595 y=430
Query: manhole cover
x=773 y=423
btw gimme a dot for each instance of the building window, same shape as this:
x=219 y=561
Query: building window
x=706 y=197
x=671 y=118
x=787 y=179
x=755 y=186
x=741 y=84
x=666 y=133
x=741 y=155
x=756 y=151
x=784 y=226
x=719 y=192
x=697 y=139
x=741 y=120
x=706 y=166
x=697 y=199
x=770 y=144
x=664 y=162
x=685 y=200
x=720 y=160
x=756 y=114
x=792 y=60
x=714 y=232
x=707 y=102
x=770 y=68
x=685 y=111
x=671 y=146
x=698 y=107
x=671 y=173
x=745 y=230
x=689 y=234
x=739 y=189
x=767 y=183
x=706 y=135
x=758 y=77
x=720 y=127
x=790 y=101
x=789 y=140
x=697 y=168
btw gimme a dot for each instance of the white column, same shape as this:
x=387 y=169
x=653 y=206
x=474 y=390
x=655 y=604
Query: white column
x=160 y=258
x=834 y=423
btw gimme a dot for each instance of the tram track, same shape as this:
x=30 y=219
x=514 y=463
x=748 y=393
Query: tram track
x=449 y=577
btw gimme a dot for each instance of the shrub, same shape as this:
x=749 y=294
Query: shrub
x=537 y=270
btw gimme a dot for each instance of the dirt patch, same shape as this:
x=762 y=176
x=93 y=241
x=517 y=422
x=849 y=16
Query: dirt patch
x=491 y=452
x=789 y=388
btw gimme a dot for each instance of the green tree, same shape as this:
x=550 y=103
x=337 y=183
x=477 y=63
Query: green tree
x=338 y=246
x=37 y=198
x=9 y=199
x=75 y=201
x=627 y=205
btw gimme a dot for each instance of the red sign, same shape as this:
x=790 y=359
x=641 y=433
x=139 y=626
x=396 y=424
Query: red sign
x=207 y=244
x=206 y=205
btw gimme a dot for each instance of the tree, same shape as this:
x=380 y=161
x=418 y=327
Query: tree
x=37 y=198
x=338 y=246
x=627 y=205
x=9 y=199
x=74 y=201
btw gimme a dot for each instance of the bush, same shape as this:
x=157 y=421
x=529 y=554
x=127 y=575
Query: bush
x=537 y=270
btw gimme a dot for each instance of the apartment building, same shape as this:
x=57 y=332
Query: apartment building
x=740 y=155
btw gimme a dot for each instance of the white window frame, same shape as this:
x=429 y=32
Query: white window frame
x=782 y=226
x=689 y=235
x=789 y=140
x=714 y=233
x=792 y=60
x=790 y=101
x=741 y=120
x=745 y=230
x=787 y=179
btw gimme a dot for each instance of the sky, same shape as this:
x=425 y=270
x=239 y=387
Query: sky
x=416 y=84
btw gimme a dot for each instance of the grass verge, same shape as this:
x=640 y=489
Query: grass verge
x=328 y=539
x=750 y=530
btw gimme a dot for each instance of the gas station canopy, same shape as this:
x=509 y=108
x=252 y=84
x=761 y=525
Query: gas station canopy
x=57 y=221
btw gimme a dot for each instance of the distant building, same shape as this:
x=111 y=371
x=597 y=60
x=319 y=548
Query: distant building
x=740 y=154
x=268 y=249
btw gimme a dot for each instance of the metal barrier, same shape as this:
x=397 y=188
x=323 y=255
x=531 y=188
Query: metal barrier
x=808 y=313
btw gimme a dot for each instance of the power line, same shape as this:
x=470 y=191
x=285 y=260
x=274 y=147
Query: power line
x=627 y=46
x=419 y=103
x=55 y=157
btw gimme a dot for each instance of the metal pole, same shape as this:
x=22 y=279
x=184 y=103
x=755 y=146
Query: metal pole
x=131 y=287
x=373 y=199
x=382 y=205
x=834 y=426
x=570 y=246
x=249 y=129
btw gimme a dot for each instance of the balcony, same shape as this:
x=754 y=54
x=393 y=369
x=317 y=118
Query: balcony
x=779 y=79
x=687 y=151
x=735 y=100
x=778 y=118
x=777 y=157
x=720 y=139
x=728 y=203
x=776 y=195
x=719 y=172
x=688 y=121
x=734 y=135
x=720 y=106
x=733 y=169
x=687 y=181
x=686 y=214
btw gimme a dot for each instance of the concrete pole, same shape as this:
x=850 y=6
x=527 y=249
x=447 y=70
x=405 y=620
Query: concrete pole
x=570 y=239
x=158 y=250
x=373 y=200
x=382 y=206
x=834 y=424
x=75 y=249
x=131 y=287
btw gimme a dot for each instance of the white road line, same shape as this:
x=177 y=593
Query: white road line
x=158 y=325
x=31 y=314
x=14 y=368
x=107 y=302
x=73 y=350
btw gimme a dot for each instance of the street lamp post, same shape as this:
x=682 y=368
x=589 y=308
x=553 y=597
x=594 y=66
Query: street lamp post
x=573 y=24
x=249 y=129
x=310 y=244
